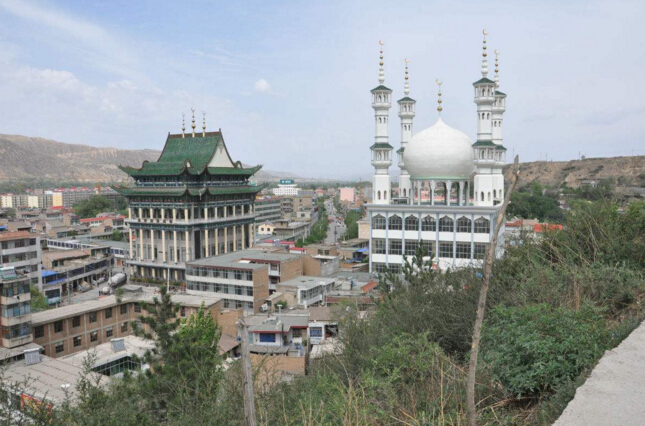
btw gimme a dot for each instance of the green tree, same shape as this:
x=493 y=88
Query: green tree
x=117 y=235
x=38 y=301
x=534 y=204
x=93 y=206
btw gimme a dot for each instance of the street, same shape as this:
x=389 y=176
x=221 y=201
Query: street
x=336 y=228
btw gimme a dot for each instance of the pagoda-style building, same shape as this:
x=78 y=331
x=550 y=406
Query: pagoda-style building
x=193 y=202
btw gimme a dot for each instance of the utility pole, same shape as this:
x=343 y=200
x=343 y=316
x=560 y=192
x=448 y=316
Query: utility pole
x=247 y=376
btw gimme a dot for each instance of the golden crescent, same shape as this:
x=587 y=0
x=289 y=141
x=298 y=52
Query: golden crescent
x=381 y=42
x=496 y=52
x=484 y=32
x=439 y=82
x=406 y=61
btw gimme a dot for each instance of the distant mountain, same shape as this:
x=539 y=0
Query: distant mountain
x=27 y=159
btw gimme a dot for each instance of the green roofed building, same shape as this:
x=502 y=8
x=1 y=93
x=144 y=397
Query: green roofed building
x=193 y=202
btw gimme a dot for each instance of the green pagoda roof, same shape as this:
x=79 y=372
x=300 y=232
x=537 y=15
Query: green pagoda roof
x=380 y=88
x=192 y=155
x=484 y=143
x=406 y=99
x=500 y=148
x=400 y=150
x=180 y=191
x=484 y=81
x=381 y=146
x=498 y=93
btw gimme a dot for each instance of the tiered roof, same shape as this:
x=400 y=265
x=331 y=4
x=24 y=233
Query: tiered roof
x=192 y=155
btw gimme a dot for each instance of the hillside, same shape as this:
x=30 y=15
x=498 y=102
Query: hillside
x=626 y=171
x=26 y=159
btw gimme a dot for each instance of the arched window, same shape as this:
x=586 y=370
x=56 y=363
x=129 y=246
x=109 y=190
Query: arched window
x=488 y=116
x=380 y=98
x=489 y=196
x=482 y=196
x=494 y=193
x=428 y=224
x=385 y=195
x=395 y=223
x=378 y=222
x=405 y=192
x=482 y=226
x=463 y=224
x=411 y=223
x=379 y=195
x=446 y=224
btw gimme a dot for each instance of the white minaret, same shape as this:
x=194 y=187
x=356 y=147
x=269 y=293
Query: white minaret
x=406 y=113
x=489 y=158
x=381 y=150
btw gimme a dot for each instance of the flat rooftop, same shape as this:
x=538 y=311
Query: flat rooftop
x=147 y=294
x=45 y=379
x=104 y=353
x=243 y=259
x=64 y=254
x=306 y=281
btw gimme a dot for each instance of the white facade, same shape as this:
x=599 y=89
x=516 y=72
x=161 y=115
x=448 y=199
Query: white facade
x=286 y=187
x=381 y=150
x=452 y=226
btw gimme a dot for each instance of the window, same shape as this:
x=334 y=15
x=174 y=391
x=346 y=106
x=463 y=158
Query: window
x=108 y=313
x=463 y=224
x=463 y=250
x=379 y=267
x=77 y=341
x=92 y=317
x=296 y=333
x=58 y=326
x=137 y=308
x=76 y=321
x=411 y=247
x=411 y=223
x=249 y=291
x=60 y=347
x=109 y=332
x=379 y=245
x=428 y=224
x=445 y=249
x=395 y=223
x=267 y=338
x=124 y=309
x=480 y=251
x=182 y=311
x=378 y=222
x=94 y=336
x=315 y=332
x=124 y=327
x=39 y=331
x=482 y=226
x=445 y=224
x=428 y=248
x=396 y=247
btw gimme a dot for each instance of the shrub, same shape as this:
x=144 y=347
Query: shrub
x=536 y=348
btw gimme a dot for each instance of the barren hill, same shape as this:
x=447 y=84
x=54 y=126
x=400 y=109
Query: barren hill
x=25 y=158
x=626 y=171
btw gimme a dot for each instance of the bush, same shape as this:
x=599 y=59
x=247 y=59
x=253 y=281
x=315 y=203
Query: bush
x=537 y=348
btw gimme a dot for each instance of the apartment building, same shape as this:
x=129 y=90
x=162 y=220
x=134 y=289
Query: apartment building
x=74 y=328
x=21 y=250
x=268 y=209
x=15 y=308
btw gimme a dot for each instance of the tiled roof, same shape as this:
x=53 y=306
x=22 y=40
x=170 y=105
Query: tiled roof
x=4 y=236
x=381 y=146
x=484 y=143
x=381 y=87
x=484 y=80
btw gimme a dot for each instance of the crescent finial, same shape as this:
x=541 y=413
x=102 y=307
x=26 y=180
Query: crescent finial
x=496 y=52
x=381 y=42
x=484 y=32
x=406 y=61
x=439 y=82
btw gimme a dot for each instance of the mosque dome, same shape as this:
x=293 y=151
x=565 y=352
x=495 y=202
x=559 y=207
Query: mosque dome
x=439 y=152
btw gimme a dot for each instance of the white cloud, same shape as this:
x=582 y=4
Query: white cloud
x=262 y=86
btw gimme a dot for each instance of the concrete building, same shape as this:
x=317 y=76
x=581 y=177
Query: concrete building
x=15 y=308
x=286 y=187
x=193 y=202
x=287 y=230
x=268 y=209
x=454 y=230
x=265 y=229
x=80 y=326
x=21 y=250
x=304 y=291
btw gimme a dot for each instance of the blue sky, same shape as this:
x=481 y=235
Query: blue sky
x=288 y=82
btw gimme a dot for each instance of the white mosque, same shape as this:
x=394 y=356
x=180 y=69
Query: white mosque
x=450 y=189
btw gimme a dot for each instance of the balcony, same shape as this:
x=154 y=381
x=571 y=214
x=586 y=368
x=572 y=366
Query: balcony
x=197 y=221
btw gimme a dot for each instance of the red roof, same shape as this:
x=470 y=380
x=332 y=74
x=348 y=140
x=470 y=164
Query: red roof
x=300 y=249
x=541 y=227
x=369 y=286
x=14 y=235
x=515 y=224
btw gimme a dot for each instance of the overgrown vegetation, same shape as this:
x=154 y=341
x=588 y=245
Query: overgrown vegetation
x=534 y=203
x=351 y=225
x=318 y=230
x=99 y=204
